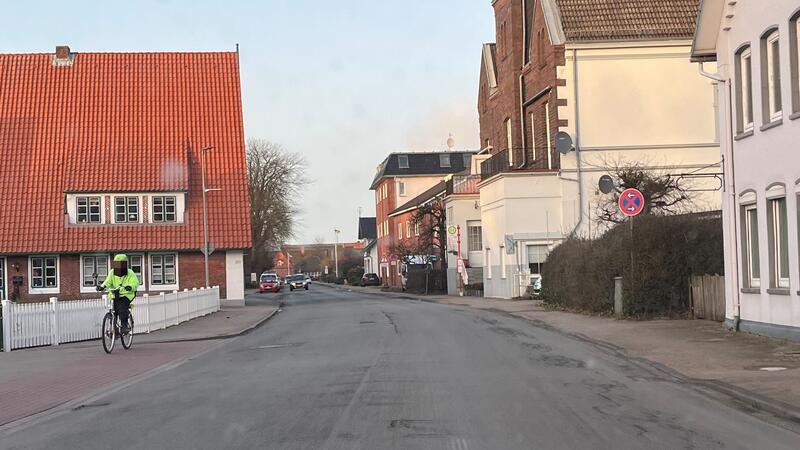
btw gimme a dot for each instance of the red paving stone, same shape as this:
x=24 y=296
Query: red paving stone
x=28 y=395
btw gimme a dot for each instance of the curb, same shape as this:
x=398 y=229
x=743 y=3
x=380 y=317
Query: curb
x=241 y=332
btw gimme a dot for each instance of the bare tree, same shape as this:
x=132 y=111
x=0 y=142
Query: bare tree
x=432 y=222
x=275 y=179
x=664 y=195
x=319 y=239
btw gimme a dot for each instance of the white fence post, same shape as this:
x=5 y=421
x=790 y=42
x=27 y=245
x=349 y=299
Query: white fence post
x=54 y=320
x=147 y=312
x=176 y=294
x=6 y=325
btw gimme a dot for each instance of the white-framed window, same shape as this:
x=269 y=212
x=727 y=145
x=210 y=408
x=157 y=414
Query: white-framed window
x=778 y=237
x=416 y=228
x=488 y=259
x=164 y=209
x=771 y=60
x=509 y=142
x=794 y=60
x=752 y=266
x=88 y=209
x=136 y=264
x=400 y=231
x=547 y=134
x=401 y=189
x=43 y=274
x=533 y=135
x=402 y=161
x=503 y=262
x=444 y=160
x=474 y=236
x=163 y=271
x=93 y=267
x=744 y=90
x=537 y=255
x=2 y=278
x=408 y=229
x=126 y=209
x=467 y=159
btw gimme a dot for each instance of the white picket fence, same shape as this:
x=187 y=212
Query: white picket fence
x=56 y=322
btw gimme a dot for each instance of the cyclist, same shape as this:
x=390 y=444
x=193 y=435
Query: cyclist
x=122 y=280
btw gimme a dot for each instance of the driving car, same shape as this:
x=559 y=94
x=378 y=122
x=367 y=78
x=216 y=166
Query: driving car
x=298 y=281
x=370 y=279
x=269 y=282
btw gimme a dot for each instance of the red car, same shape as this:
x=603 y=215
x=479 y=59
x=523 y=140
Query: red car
x=269 y=283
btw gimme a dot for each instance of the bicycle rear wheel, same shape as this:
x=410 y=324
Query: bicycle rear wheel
x=109 y=333
x=127 y=339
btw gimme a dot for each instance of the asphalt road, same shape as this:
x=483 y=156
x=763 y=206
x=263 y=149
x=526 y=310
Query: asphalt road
x=351 y=370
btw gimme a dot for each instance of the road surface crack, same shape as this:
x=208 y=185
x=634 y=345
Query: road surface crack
x=391 y=321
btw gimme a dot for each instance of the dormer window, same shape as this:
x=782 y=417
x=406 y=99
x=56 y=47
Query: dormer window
x=444 y=160
x=88 y=209
x=402 y=161
x=126 y=209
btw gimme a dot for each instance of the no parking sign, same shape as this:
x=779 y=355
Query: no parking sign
x=631 y=202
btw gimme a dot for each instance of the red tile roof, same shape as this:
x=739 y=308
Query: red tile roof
x=609 y=20
x=115 y=122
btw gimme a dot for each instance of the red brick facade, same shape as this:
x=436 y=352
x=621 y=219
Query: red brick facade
x=190 y=270
x=536 y=78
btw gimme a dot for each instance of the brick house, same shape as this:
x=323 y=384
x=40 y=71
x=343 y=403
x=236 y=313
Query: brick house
x=398 y=179
x=102 y=154
x=614 y=75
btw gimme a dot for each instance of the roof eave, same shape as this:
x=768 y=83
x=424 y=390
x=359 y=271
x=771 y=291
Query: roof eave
x=704 y=42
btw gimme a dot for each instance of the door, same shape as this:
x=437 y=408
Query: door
x=2 y=279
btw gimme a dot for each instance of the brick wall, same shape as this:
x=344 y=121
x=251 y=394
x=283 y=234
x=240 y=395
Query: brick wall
x=192 y=270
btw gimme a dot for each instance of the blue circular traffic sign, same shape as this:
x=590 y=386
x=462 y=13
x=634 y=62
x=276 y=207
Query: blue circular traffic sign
x=631 y=202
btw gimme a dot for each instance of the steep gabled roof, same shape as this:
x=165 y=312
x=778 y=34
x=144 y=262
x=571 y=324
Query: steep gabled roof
x=625 y=20
x=120 y=122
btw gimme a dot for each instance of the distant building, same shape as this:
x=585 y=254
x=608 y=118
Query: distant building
x=615 y=77
x=752 y=50
x=398 y=179
x=315 y=259
x=101 y=154
x=368 y=235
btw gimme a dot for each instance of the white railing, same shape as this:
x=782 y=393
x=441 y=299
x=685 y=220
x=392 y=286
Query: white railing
x=56 y=322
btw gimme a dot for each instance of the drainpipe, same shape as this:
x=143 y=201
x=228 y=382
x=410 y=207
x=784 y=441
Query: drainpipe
x=577 y=138
x=730 y=190
x=522 y=120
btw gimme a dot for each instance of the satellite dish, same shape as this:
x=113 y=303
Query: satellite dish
x=564 y=143
x=606 y=184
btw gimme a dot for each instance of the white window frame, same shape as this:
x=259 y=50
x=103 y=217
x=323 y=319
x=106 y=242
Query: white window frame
x=533 y=134
x=164 y=206
x=753 y=282
x=444 y=160
x=503 y=262
x=773 y=87
x=746 y=89
x=163 y=287
x=547 y=129
x=143 y=277
x=416 y=228
x=400 y=159
x=88 y=289
x=401 y=189
x=488 y=263
x=794 y=47
x=88 y=209
x=400 y=231
x=408 y=229
x=127 y=207
x=44 y=290
x=471 y=225
x=509 y=141
x=3 y=283
x=773 y=211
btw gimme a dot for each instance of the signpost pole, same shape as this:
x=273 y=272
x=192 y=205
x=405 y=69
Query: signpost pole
x=459 y=264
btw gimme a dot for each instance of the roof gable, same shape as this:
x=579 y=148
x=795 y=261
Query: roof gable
x=120 y=122
x=624 y=20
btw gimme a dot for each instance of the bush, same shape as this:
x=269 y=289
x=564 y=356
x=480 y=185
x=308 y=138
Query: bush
x=354 y=275
x=579 y=273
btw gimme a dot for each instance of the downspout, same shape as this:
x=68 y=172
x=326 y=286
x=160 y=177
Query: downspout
x=522 y=120
x=577 y=138
x=730 y=188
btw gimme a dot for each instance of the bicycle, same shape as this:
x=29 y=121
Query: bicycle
x=111 y=327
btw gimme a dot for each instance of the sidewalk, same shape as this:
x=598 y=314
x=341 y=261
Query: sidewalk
x=39 y=379
x=697 y=351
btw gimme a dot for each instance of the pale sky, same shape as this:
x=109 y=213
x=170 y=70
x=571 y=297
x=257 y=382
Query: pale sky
x=343 y=83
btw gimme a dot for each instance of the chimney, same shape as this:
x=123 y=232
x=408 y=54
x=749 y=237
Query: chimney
x=63 y=56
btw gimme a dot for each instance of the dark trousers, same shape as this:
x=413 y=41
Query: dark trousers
x=122 y=308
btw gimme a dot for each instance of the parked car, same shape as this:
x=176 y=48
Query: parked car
x=298 y=281
x=370 y=279
x=269 y=282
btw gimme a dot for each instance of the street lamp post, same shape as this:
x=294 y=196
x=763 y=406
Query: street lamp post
x=205 y=209
x=336 y=253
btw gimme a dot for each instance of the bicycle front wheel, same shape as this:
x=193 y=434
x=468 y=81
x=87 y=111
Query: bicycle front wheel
x=109 y=333
x=127 y=338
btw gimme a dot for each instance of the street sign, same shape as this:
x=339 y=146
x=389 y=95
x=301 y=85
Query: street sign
x=209 y=250
x=510 y=246
x=631 y=202
x=460 y=265
x=452 y=229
